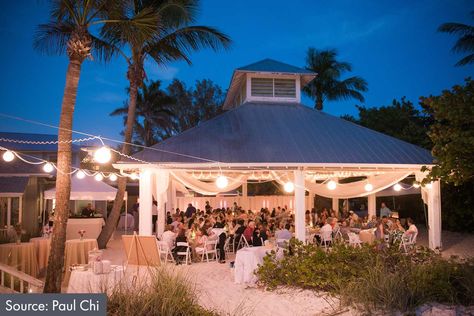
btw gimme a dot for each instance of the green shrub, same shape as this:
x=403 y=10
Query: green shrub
x=387 y=279
x=164 y=293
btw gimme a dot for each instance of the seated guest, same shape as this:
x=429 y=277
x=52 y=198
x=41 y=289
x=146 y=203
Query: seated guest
x=257 y=239
x=181 y=237
x=373 y=222
x=248 y=232
x=169 y=236
x=284 y=233
x=412 y=230
x=169 y=219
x=87 y=211
x=326 y=231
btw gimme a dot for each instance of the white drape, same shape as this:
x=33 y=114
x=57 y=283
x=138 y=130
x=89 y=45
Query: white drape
x=207 y=188
x=419 y=176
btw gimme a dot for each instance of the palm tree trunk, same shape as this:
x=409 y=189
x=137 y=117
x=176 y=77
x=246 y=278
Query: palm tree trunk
x=114 y=216
x=63 y=180
x=319 y=102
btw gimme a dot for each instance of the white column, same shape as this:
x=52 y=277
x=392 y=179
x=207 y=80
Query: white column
x=174 y=203
x=160 y=224
x=145 y=226
x=434 y=215
x=245 y=198
x=371 y=205
x=335 y=206
x=299 y=206
x=162 y=185
x=9 y=211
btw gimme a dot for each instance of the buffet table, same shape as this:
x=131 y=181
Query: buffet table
x=91 y=225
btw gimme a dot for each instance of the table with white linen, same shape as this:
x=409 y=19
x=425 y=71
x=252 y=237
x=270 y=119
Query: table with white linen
x=130 y=222
x=42 y=246
x=367 y=235
x=92 y=227
x=246 y=262
x=21 y=256
x=89 y=282
x=77 y=252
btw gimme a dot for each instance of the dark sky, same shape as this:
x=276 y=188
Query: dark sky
x=392 y=44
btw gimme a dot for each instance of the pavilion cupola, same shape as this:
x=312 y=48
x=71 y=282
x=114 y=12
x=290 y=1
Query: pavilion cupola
x=267 y=80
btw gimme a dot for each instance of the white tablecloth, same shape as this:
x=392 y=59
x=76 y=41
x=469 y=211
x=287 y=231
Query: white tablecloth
x=89 y=282
x=246 y=261
x=130 y=222
x=92 y=226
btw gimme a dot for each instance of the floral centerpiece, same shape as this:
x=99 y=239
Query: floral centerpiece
x=81 y=233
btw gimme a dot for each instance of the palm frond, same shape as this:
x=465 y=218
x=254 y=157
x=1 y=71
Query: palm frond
x=469 y=59
x=51 y=38
x=464 y=44
x=456 y=28
x=180 y=43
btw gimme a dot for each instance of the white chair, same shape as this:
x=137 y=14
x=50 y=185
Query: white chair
x=337 y=234
x=354 y=240
x=242 y=242
x=408 y=242
x=186 y=253
x=210 y=248
x=164 y=249
x=229 y=246
x=326 y=239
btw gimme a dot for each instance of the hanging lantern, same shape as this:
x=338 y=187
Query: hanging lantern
x=368 y=187
x=99 y=177
x=113 y=177
x=397 y=187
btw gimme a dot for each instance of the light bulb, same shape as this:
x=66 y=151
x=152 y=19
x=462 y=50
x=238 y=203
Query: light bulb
x=368 y=187
x=289 y=187
x=80 y=174
x=99 y=177
x=222 y=182
x=416 y=185
x=113 y=177
x=102 y=155
x=397 y=187
x=48 y=167
x=134 y=176
x=331 y=185
x=429 y=185
x=8 y=156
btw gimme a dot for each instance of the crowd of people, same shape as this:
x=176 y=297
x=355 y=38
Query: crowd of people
x=234 y=226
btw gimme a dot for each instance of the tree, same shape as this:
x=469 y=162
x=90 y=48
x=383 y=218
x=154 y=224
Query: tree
x=452 y=133
x=400 y=119
x=169 y=38
x=153 y=113
x=68 y=32
x=328 y=84
x=465 y=42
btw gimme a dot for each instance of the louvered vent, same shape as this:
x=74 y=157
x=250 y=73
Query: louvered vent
x=277 y=88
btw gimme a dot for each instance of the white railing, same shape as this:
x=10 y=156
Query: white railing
x=14 y=281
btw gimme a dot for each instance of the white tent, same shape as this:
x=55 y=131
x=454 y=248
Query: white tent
x=87 y=189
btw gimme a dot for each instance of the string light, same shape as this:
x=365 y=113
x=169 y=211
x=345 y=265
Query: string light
x=48 y=167
x=80 y=174
x=102 y=155
x=222 y=182
x=397 y=187
x=8 y=156
x=289 y=187
x=368 y=187
x=99 y=177
x=113 y=177
x=134 y=176
x=416 y=185
x=331 y=185
x=429 y=185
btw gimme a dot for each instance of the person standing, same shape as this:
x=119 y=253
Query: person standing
x=385 y=211
x=190 y=211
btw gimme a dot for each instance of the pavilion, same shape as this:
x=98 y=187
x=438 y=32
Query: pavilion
x=267 y=134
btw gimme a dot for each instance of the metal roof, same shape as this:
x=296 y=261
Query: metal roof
x=18 y=167
x=13 y=186
x=271 y=65
x=261 y=132
x=31 y=137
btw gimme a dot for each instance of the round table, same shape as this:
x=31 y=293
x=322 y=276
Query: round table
x=77 y=252
x=42 y=246
x=20 y=256
x=89 y=282
x=367 y=235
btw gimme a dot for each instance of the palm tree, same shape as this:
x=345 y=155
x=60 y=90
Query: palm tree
x=328 y=85
x=153 y=113
x=68 y=32
x=465 y=43
x=171 y=38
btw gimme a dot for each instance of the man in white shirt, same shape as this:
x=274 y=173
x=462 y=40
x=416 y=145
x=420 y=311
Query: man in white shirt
x=169 y=237
x=384 y=210
x=412 y=230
